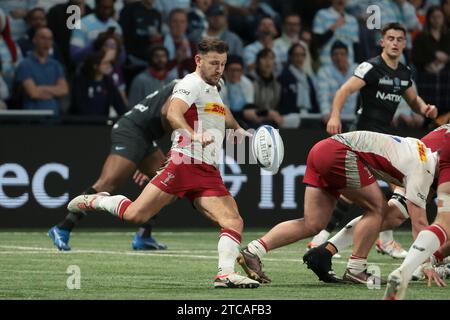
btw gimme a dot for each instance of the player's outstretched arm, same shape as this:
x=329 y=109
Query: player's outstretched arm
x=175 y=115
x=352 y=85
x=231 y=123
x=418 y=105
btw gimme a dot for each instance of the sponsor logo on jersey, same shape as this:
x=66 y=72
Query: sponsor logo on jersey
x=388 y=96
x=182 y=91
x=422 y=152
x=386 y=81
x=404 y=83
x=215 y=108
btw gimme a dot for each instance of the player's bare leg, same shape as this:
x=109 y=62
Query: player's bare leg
x=224 y=211
x=318 y=208
x=371 y=199
x=427 y=242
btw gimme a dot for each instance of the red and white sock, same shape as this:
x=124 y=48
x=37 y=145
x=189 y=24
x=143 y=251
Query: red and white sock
x=258 y=248
x=116 y=205
x=228 y=247
x=427 y=242
x=356 y=264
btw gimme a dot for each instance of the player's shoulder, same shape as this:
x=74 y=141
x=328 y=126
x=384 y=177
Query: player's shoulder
x=363 y=68
x=191 y=82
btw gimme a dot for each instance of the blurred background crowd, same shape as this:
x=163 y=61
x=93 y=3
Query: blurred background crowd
x=286 y=60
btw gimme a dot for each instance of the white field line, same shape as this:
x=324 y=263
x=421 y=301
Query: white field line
x=176 y=254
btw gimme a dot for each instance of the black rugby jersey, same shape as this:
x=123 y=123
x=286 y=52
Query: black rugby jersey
x=381 y=95
x=147 y=113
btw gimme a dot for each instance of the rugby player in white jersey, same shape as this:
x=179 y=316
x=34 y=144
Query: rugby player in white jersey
x=199 y=118
x=349 y=164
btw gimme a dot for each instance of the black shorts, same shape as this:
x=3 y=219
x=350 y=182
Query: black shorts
x=130 y=141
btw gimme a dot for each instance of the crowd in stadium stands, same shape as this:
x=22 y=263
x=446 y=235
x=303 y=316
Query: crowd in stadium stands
x=286 y=59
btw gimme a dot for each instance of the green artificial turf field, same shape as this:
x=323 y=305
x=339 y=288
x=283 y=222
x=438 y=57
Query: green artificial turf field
x=31 y=268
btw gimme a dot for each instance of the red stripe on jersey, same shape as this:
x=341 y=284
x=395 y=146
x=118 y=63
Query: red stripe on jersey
x=191 y=117
x=434 y=139
x=380 y=163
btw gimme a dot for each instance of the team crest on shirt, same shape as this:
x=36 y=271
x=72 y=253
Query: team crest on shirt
x=215 y=108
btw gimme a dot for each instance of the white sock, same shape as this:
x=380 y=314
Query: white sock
x=258 y=248
x=356 y=264
x=427 y=242
x=116 y=205
x=228 y=248
x=386 y=236
x=344 y=238
x=320 y=238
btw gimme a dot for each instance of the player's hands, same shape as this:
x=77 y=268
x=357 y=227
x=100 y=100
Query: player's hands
x=203 y=137
x=238 y=135
x=140 y=178
x=334 y=125
x=432 y=276
x=431 y=111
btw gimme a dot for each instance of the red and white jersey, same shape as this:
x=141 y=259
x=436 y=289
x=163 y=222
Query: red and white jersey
x=405 y=162
x=206 y=113
x=435 y=138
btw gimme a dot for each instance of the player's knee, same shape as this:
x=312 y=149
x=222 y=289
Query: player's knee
x=135 y=216
x=315 y=226
x=234 y=222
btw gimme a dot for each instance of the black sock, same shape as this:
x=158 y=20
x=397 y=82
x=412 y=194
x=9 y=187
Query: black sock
x=72 y=218
x=145 y=230
x=339 y=213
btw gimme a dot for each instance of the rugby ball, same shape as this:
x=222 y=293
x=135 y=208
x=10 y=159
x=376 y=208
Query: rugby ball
x=268 y=148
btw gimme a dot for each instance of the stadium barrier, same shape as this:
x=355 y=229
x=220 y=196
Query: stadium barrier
x=43 y=166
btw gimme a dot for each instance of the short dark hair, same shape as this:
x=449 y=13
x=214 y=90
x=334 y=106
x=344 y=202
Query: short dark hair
x=214 y=45
x=295 y=46
x=338 y=45
x=152 y=49
x=234 y=59
x=393 y=26
x=264 y=53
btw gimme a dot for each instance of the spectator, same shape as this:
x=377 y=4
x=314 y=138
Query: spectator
x=292 y=30
x=218 y=28
x=266 y=33
x=330 y=78
x=431 y=56
x=181 y=50
x=445 y=5
x=154 y=78
x=57 y=18
x=166 y=6
x=141 y=25
x=109 y=40
x=298 y=94
x=17 y=11
x=91 y=26
x=9 y=52
x=42 y=77
x=267 y=91
x=242 y=17
x=4 y=91
x=420 y=6
x=333 y=24
x=238 y=93
x=93 y=90
x=198 y=22
x=35 y=20
x=48 y=4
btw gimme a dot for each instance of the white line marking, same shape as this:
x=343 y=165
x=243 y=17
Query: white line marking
x=175 y=254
